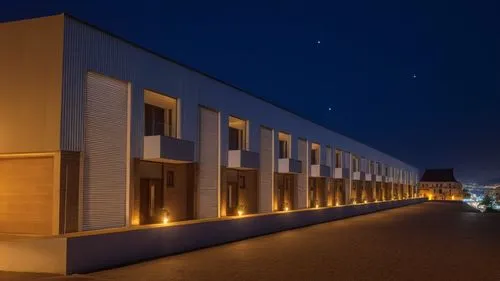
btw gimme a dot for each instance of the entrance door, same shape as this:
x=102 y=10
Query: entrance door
x=313 y=194
x=151 y=201
x=281 y=193
x=232 y=198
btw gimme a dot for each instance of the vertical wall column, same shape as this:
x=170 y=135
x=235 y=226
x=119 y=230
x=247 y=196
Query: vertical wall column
x=348 y=164
x=266 y=170
x=209 y=164
x=303 y=178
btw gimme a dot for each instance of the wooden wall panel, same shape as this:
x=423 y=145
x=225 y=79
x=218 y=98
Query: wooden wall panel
x=27 y=195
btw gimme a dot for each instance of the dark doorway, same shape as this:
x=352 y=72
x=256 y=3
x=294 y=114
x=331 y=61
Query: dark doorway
x=151 y=207
x=232 y=199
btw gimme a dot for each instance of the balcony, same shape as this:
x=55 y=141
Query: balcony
x=387 y=179
x=289 y=166
x=243 y=160
x=369 y=177
x=320 y=171
x=358 y=176
x=341 y=173
x=168 y=149
x=378 y=178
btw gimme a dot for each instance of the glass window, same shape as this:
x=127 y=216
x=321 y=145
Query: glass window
x=338 y=158
x=237 y=134
x=160 y=115
x=283 y=153
x=284 y=145
x=315 y=150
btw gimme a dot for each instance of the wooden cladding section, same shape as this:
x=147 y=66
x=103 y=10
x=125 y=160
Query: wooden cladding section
x=70 y=176
x=27 y=195
x=177 y=182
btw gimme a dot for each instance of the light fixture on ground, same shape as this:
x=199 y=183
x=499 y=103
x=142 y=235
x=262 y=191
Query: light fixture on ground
x=240 y=213
x=366 y=201
x=165 y=218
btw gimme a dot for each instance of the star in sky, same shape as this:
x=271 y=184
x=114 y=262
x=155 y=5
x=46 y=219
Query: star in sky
x=318 y=42
x=414 y=76
x=329 y=108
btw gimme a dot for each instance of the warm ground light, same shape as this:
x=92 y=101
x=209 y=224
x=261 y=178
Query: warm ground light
x=430 y=241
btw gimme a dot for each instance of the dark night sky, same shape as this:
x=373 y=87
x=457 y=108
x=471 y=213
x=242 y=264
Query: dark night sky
x=448 y=116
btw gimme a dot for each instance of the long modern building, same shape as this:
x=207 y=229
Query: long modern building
x=97 y=132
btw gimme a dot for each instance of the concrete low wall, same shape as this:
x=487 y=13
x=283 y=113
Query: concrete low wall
x=89 y=253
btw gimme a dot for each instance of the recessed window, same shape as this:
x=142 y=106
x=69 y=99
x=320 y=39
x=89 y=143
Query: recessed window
x=237 y=134
x=338 y=158
x=284 y=145
x=355 y=163
x=160 y=115
x=315 y=152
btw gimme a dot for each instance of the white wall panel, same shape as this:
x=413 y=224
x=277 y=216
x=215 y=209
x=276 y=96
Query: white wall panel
x=303 y=178
x=294 y=147
x=323 y=154
x=254 y=137
x=266 y=170
x=209 y=165
x=224 y=138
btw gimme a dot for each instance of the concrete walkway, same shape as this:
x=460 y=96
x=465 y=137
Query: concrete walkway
x=430 y=241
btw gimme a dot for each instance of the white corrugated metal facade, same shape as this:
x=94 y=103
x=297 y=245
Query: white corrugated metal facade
x=89 y=49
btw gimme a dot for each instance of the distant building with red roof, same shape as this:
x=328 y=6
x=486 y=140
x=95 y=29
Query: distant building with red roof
x=440 y=184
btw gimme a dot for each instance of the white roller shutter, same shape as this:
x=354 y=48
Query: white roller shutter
x=266 y=171
x=104 y=193
x=208 y=203
x=302 y=178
